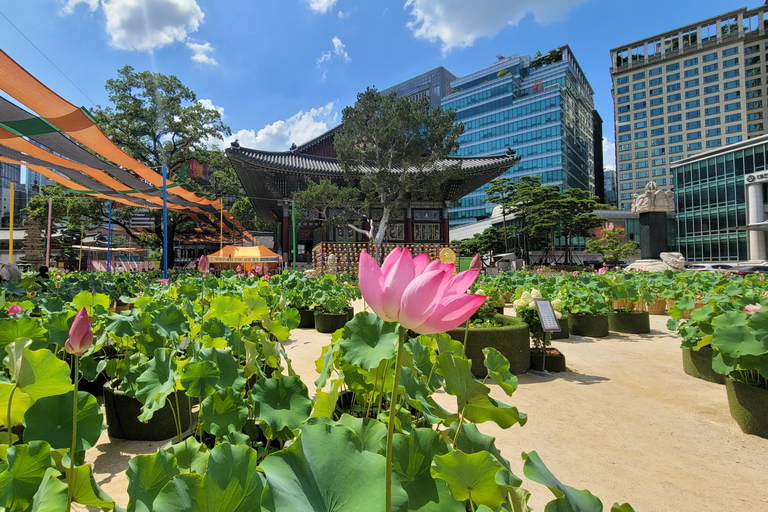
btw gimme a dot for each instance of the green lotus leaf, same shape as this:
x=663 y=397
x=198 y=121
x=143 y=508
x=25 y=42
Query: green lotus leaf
x=39 y=373
x=626 y=507
x=566 y=498
x=281 y=403
x=215 y=328
x=51 y=496
x=498 y=370
x=737 y=341
x=147 y=475
x=234 y=437
x=471 y=440
x=230 y=373
x=122 y=325
x=728 y=319
x=417 y=395
x=85 y=490
x=290 y=318
x=49 y=419
x=57 y=325
x=230 y=309
x=170 y=322
x=13 y=329
x=19 y=405
x=447 y=344
x=50 y=305
x=471 y=476
x=325 y=403
x=232 y=483
x=370 y=431
x=326 y=362
x=412 y=457
x=200 y=378
x=89 y=301
x=26 y=467
x=424 y=361
x=191 y=456
x=155 y=384
x=367 y=340
x=255 y=302
x=90 y=368
x=222 y=412
x=327 y=470
x=702 y=313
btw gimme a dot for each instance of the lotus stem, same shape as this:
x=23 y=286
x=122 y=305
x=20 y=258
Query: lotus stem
x=466 y=335
x=381 y=395
x=391 y=425
x=74 y=436
x=471 y=505
x=8 y=416
x=373 y=395
x=178 y=427
x=461 y=422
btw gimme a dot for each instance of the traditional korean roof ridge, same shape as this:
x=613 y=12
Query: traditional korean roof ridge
x=303 y=148
x=295 y=161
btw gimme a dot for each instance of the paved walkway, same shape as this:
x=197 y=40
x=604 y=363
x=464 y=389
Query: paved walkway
x=624 y=422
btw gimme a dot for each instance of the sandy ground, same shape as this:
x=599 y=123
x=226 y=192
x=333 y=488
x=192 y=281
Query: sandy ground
x=624 y=421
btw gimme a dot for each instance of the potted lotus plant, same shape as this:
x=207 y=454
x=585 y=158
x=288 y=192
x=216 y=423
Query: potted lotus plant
x=585 y=299
x=543 y=357
x=627 y=291
x=740 y=344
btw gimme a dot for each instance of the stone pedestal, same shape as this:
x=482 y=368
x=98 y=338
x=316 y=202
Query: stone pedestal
x=653 y=235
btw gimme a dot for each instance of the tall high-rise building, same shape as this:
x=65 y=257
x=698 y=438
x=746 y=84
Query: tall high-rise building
x=35 y=181
x=609 y=183
x=693 y=88
x=11 y=173
x=433 y=84
x=539 y=106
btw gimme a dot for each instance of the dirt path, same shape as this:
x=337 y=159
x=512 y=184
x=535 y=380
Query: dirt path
x=624 y=422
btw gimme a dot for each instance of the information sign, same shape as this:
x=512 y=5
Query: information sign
x=549 y=321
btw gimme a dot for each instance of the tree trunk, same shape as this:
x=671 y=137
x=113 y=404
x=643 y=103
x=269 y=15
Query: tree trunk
x=382 y=230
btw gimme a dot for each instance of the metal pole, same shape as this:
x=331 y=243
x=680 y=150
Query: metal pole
x=109 y=239
x=293 y=215
x=221 y=223
x=48 y=234
x=10 y=234
x=80 y=257
x=165 y=228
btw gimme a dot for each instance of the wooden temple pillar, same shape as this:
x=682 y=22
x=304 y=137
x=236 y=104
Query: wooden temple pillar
x=445 y=236
x=408 y=225
x=286 y=239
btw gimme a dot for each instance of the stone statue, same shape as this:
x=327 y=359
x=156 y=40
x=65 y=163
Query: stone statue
x=653 y=200
x=669 y=261
x=673 y=260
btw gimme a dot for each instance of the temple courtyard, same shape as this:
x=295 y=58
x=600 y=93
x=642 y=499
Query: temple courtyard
x=624 y=421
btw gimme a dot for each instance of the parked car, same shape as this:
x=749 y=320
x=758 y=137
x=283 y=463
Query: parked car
x=709 y=267
x=749 y=269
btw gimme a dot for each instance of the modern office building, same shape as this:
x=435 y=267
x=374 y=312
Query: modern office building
x=541 y=107
x=11 y=173
x=721 y=202
x=681 y=92
x=609 y=184
x=433 y=84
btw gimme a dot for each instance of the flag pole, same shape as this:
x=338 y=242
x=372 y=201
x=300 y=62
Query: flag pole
x=165 y=228
x=109 y=239
x=221 y=223
x=48 y=233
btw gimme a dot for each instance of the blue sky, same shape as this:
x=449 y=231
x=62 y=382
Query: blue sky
x=281 y=71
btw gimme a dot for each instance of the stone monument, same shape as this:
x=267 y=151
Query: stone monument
x=653 y=206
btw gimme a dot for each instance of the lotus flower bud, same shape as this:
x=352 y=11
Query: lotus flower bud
x=14 y=309
x=202 y=265
x=749 y=309
x=476 y=262
x=163 y=281
x=80 y=335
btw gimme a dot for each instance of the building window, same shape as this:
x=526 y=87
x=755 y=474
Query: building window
x=672 y=67
x=626 y=176
x=625 y=167
x=733 y=128
x=675 y=128
x=711 y=111
x=625 y=157
x=710 y=90
x=711 y=78
x=625 y=147
x=641 y=124
x=657 y=152
x=641 y=174
x=692 y=93
x=641 y=135
x=657 y=111
x=731 y=51
x=755 y=127
x=659 y=172
x=641 y=144
x=641 y=154
x=712 y=121
x=640 y=184
x=639 y=106
x=711 y=99
x=673 y=97
x=708 y=57
x=638 y=96
x=733 y=106
x=622 y=80
x=673 y=77
x=657 y=101
x=733 y=117
x=654 y=72
x=640 y=115
x=732 y=84
x=657 y=131
x=730 y=74
x=676 y=149
x=673 y=87
x=694 y=146
x=692 y=83
x=624 y=138
x=754 y=116
x=753 y=83
x=622 y=90
x=674 y=118
x=674 y=108
x=730 y=62
x=692 y=104
x=638 y=76
x=733 y=140
x=714 y=143
x=656 y=92
x=693 y=136
x=639 y=85
x=658 y=142
x=693 y=125
x=714 y=132
x=691 y=72
x=626 y=186
x=693 y=114
x=655 y=81
x=709 y=68
x=657 y=162
x=675 y=138
x=751 y=49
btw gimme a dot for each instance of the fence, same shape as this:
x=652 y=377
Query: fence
x=343 y=257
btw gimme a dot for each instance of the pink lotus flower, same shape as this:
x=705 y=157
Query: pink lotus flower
x=421 y=295
x=31 y=295
x=266 y=276
x=239 y=268
x=552 y=264
x=602 y=270
x=80 y=335
x=202 y=265
x=751 y=309
x=14 y=309
x=575 y=272
x=476 y=262
x=163 y=281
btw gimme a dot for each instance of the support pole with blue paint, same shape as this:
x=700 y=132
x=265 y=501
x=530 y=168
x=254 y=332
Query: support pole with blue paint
x=109 y=239
x=293 y=214
x=165 y=228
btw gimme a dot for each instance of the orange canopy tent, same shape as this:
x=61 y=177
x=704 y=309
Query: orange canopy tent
x=248 y=257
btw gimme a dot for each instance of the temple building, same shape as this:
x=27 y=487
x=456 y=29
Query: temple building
x=270 y=179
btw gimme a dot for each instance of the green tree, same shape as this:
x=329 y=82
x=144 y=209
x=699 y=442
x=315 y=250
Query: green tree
x=532 y=204
x=612 y=246
x=317 y=201
x=389 y=147
x=577 y=218
x=486 y=244
x=498 y=193
x=157 y=120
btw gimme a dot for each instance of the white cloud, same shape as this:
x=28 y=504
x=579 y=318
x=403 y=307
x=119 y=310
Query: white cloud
x=339 y=49
x=609 y=154
x=201 y=53
x=70 y=5
x=323 y=57
x=147 y=24
x=458 y=23
x=209 y=105
x=321 y=6
x=298 y=129
x=342 y=14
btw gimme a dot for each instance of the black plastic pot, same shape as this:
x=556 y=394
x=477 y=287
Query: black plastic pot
x=327 y=323
x=554 y=361
x=306 y=319
x=629 y=322
x=698 y=363
x=595 y=326
x=350 y=313
x=511 y=339
x=749 y=407
x=564 y=331
x=123 y=413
